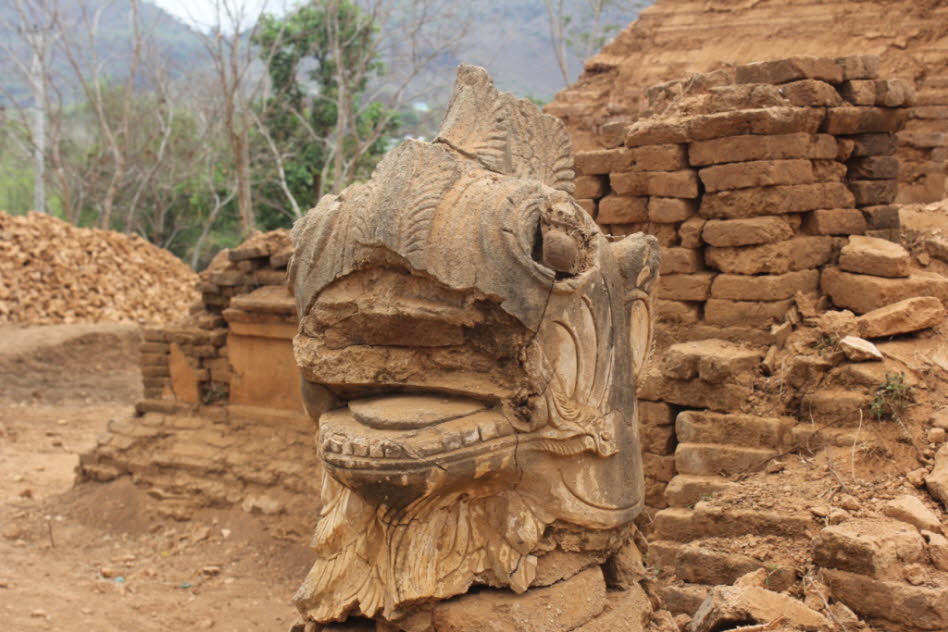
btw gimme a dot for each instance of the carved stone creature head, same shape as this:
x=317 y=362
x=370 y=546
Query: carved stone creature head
x=469 y=342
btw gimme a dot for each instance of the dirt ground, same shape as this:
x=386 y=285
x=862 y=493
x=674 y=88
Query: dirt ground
x=100 y=557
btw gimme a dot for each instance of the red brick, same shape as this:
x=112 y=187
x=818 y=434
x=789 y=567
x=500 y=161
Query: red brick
x=614 y=209
x=590 y=186
x=602 y=161
x=836 y=221
x=746 y=232
x=681 y=260
x=759 y=173
x=750 y=148
x=659 y=157
x=862 y=120
x=685 y=287
x=665 y=210
x=794 y=198
x=790 y=69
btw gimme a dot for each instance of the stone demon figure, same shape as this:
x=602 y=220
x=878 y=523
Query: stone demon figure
x=469 y=342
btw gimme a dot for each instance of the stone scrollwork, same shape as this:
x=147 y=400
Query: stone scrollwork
x=469 y=344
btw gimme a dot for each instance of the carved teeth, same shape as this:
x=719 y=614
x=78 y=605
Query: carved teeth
x=488 y=430
x=359 y=447
x=333 y=445
x=452 y=442
x=392 y=450
x=375 y=450
x=470 y=437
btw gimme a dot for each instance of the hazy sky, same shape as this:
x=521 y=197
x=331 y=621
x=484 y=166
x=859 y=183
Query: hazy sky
x=203 y=13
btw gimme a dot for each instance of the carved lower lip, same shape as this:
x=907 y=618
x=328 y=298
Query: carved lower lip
x=352 y=440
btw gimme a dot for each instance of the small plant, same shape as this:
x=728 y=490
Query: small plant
x=890 y=398
x=213 y=393
x=826 y=343
x=771 y=570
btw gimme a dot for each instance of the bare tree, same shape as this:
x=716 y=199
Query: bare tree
x=240 y=82
x=581 y=28
x=557 y=21
x=33 y=23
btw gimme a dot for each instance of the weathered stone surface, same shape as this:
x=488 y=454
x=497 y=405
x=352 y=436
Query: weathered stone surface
x=776 y=200
x=677 y=311
x=746 y=313
x=762 y=121
x=836 y=221
x=695 y=393
x=859 y=349
x=875 y=547
x=882 y=217
x=741 y=430
x=681 y=260
x=874 y=168
x=937 y=549
x=560 y=607
x=878 y=257
x=685 y=287
x=799 y=253
x=590 y=187
x=759 y=173
x=879 y=144
x=463 y=273
x=685 y=489
x=712 y=360
x=906 y=316
x=862 y=120
x=811 y=93
x=834 y=405
x=184 y=377
x=746 y=232
x=670 y=184
x=614 y=209
x=603 y=161
x=896 y=602
x=666 y=210
x=790 y=69
x=764 y=288
x=689 y=232
x=863 y=293
x=859 y=66
x=913 y=511
x=719 y=459
x=727 y=605
x=628 y=610
x=937 y=479
x=756 y=147
x=874 y=192
x=859 y=92
x=659 y=157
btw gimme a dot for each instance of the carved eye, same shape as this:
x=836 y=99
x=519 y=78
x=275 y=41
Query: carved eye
x=557 y=238
x=560 y=252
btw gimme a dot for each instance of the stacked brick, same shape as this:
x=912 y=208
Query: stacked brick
x=746 y=177
x=198 y=343
x=923 y=144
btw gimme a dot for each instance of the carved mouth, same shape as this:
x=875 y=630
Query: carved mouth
x=404 y=432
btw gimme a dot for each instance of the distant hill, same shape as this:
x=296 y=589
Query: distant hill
x=511 y=39
x=508 y=37
x=167 y=39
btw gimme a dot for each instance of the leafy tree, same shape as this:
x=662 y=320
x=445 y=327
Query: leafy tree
x=320 y=129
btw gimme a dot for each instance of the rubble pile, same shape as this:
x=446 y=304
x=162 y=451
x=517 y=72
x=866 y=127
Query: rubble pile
x=56 y=273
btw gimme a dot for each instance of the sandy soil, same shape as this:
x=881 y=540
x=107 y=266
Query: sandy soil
x=99 y=557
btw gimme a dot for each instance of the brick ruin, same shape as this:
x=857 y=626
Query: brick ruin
x=770 y=188
x=908 y=36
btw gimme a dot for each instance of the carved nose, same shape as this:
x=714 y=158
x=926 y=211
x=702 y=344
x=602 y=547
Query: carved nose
x=393 y=308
